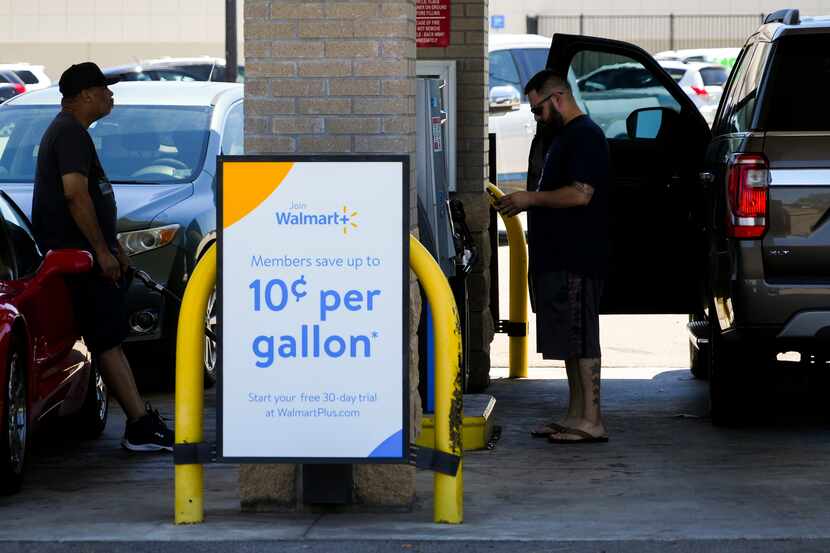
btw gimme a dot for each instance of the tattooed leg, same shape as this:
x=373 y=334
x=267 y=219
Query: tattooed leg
x=591 y=422
x=590 y=376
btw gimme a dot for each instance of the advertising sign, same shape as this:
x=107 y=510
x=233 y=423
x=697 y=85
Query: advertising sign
x=313 y=298
x=432 y=23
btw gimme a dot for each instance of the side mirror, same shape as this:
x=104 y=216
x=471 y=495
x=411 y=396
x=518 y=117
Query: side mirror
x=646 y=123
x=504 y=98
x=64 y=262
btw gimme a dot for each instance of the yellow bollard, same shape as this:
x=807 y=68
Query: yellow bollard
x=518 y=287
x=189 y=479
x=190 y=344
x=448 y=490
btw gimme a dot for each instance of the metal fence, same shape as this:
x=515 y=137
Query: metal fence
x=654 y=33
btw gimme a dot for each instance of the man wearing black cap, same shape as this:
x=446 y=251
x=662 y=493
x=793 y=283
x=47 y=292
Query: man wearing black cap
x=74 y=207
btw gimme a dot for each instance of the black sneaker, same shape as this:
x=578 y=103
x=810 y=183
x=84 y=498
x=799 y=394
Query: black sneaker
x=149 y=433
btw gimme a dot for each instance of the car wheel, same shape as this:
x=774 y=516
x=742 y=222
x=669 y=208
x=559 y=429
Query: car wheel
x=92 y=418
x=735 y=376
x=723 y=393
x=14 y=426
x=210 y=346
x=699 y=357
x=725 y=397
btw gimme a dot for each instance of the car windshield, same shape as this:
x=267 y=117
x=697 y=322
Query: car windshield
x=531 y=61
x=136 y=144
x=676 y=73
x=714 y=76
x=26 y=76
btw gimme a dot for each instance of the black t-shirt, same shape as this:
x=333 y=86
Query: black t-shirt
x=573 y=239
x=66 y=147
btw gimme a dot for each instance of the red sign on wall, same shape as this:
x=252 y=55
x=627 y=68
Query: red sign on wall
x=432 y=23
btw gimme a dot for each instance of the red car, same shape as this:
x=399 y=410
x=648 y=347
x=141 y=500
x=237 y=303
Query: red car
x=45 y=367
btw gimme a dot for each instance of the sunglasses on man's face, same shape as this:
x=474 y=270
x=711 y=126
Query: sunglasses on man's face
x=537 y=109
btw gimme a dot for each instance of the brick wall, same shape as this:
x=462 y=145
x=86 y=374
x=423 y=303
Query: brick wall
x=333 y=77
x=329 y=77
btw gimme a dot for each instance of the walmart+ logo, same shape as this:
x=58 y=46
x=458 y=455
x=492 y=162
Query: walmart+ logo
x=348 y=220
x=345 y=219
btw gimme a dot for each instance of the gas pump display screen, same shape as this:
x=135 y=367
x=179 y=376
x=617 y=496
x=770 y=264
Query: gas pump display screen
x=313 y=284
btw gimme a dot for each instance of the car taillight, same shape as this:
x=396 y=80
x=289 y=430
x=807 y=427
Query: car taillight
x=700 y=91
x=747 y=191
x=19 y=88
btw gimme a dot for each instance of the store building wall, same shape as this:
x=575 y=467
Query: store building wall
x=58 y=33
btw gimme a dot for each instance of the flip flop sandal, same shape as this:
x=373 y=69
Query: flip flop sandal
x=586 y=438
x=549 y=428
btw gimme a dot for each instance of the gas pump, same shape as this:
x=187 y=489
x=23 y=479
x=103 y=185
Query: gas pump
x=445 y=234
x=443 y=229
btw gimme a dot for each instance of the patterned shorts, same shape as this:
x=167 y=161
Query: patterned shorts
x=567 y=315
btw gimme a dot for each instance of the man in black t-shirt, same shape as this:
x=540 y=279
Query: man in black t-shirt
x=568 y=244
x=74 y=207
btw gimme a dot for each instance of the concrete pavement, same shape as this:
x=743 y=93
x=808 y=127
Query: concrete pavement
x=667 y=481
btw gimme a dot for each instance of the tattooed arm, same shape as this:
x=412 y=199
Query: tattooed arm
x=576 y=195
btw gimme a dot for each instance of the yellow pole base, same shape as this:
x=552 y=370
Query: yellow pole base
x=449 y=490
x=190 y=390
x=518 y=287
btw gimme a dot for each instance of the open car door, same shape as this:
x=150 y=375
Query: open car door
x=657 y=140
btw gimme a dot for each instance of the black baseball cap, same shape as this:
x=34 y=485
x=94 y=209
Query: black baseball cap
x=82 y=76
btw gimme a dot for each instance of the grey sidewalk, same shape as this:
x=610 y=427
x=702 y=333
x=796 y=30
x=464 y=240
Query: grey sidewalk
x=667 y=481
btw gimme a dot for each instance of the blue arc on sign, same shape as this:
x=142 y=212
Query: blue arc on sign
x=390 y=447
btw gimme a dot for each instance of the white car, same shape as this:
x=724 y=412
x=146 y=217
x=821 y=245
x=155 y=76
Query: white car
x=33 y=76
x=514 y=59
x=721 y=56
x=702 y=82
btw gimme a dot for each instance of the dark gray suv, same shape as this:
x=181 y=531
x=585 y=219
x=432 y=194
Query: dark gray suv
x=732 y=225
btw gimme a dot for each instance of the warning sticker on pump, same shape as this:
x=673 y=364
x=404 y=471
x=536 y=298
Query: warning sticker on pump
x=437 y=144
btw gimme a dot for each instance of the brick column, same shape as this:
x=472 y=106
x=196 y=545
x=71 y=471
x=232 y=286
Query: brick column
x=333 y=77
x=468 y=45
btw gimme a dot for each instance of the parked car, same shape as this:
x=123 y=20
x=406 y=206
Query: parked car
x=174 y=69
x=609 y=91
x=702 y=82
x=45 y=368
x=514 y=59
x=721 y=56
x=158 y=148
x=11 y=78
x=729 y=225
x=7 y=90
x=33 y=76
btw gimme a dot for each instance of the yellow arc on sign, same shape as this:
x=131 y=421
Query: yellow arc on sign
x=246 y=184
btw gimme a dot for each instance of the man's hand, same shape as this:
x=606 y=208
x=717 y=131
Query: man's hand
x=123 y=261
x=110 y=267
x=513 y=204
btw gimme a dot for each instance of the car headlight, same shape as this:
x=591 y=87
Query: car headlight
x=140 y=241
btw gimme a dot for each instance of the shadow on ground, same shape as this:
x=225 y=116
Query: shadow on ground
x=666 y=475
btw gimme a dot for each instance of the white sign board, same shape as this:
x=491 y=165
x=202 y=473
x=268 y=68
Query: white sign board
x=313 y=294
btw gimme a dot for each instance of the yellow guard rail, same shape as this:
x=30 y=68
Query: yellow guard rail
x=190 y=386
x=448 y=490
x=518 y=287
x=190 y=343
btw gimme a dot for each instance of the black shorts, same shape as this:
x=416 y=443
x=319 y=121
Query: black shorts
x=567 y=315
x=101 y=309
